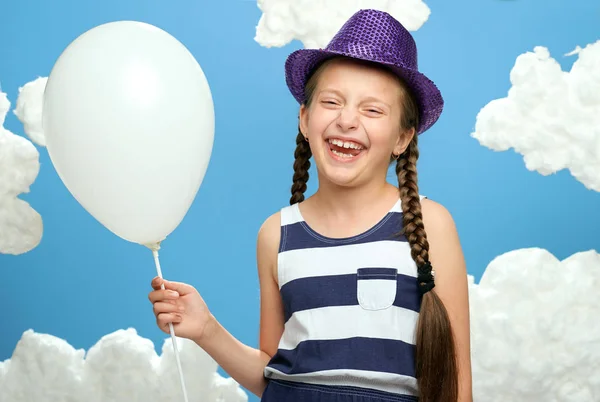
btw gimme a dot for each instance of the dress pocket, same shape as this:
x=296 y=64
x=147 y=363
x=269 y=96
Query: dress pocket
x=376 y=287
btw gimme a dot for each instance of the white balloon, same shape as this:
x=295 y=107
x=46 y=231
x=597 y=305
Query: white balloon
x=129 y=123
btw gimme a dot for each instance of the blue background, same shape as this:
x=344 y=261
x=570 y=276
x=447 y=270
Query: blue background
x=82 y=282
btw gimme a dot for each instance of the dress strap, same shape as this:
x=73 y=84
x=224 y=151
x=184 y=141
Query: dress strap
x=290 y=215
x=398 y=206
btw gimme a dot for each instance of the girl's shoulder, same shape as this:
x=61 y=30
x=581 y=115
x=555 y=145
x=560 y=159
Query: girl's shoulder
x=435 y=215
x=267 y=247
x=269 y=233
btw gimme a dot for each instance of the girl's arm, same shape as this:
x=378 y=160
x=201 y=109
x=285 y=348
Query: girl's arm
x=244 y=363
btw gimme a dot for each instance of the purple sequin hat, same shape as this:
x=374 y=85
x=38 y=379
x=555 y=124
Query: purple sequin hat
x=378 y=37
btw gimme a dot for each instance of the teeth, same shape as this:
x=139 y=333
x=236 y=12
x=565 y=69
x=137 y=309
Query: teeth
x=345 y=144
x=342 y=155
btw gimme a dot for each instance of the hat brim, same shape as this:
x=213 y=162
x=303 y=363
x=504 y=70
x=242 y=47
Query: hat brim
x=301 y=63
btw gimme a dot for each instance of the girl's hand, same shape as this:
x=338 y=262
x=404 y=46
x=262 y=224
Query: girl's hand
x=182 y=305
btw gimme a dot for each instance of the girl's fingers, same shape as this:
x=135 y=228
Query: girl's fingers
x=156 y=282
x=179 y=287
x=166 y=307
x=162 y=295
x=164 y=319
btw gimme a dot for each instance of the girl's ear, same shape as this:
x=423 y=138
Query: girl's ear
x=403 y=141
x=303 y=120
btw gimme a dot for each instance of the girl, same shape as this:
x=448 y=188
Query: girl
x=350 y=311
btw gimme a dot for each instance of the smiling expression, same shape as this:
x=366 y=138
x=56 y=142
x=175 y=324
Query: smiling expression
x=353 y=121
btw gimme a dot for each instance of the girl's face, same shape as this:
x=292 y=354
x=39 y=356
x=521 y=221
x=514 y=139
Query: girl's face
x=353 y=123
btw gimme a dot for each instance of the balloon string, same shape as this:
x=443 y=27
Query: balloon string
x=159 y=272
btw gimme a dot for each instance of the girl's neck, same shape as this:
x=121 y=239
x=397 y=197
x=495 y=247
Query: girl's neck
x=349 y=202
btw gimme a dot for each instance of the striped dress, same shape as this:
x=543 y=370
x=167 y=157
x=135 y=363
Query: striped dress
x=351 y=307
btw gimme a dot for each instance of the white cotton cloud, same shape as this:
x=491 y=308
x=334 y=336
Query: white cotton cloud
x=121 y=367
x=315 y=22
x=20 y=225
x=535 y=331
x=4 y=107
x=550 y=116
x=29 y=109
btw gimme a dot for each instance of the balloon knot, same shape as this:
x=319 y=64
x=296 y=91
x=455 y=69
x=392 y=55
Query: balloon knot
x=153 y=246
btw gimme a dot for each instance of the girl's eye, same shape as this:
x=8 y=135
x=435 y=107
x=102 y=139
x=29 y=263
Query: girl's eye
x=374 y=111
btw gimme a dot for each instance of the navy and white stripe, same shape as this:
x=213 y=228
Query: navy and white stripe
x=351 y=307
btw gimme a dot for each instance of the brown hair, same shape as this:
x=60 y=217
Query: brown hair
x=436 y=366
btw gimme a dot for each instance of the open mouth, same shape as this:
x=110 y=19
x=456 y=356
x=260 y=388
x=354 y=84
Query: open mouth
x=344 y=150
